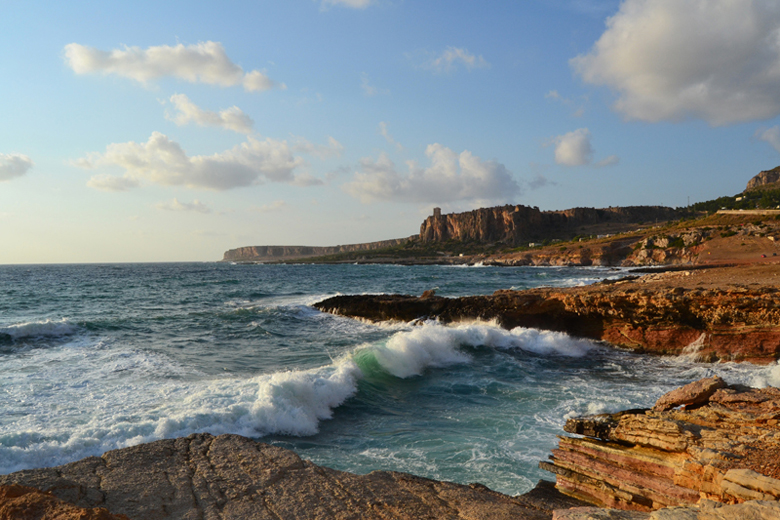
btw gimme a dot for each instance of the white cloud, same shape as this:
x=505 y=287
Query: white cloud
x=450 y=177
x=163 y=161
x=771 y=136
x=717 y=60
x=448 y=60
x=276 y=205
x=232 y=118
x=323 y=151
x=205 y=62
x=354 y=4
x=194 y=206
x=389 y=138
x=574 y=149
x=13 y=165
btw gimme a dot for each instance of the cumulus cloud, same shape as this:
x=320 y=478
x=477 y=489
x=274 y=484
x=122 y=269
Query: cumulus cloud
x=354 y=4
x=771 y=136
x=717 y=60
x=449 y=60
x=450 y=177
x=232 y=118
x=205 y=62
x=389 y=138
x=13 y=165
x=174 y=205
x=163 y=161
x=574 y=149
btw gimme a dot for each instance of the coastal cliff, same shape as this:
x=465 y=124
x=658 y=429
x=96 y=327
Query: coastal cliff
x=517 y=225
x=717 y=314
x=769 y=179
x=282 y=253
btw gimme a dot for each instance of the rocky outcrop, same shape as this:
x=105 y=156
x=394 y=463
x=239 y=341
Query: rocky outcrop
x=723 y=449
x=283 y=253
x=769 y=179
x=519 y=225
x=670 y=313
x=753 y=510
x=232 y=477
x=26 y=503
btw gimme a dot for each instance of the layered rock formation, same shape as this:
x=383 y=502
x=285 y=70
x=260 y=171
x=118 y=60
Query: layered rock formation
x=26 y=503
x=518 y=225
x=232 y=477
x=702 y=312
x=769 y=179
x=722 y=445
x=282 y=253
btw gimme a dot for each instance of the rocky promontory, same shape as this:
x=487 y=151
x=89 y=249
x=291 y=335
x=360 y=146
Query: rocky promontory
x=727 y=313
x=286 y=253
x=706 y=441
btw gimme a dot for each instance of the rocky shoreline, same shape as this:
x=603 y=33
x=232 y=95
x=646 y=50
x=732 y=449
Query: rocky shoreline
x=717 y=314
x=706 y=451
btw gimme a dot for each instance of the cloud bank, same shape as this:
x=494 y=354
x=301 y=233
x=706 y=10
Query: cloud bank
x=451 y=177
x=574 y=149
x=163 y=161
x=716 y=60
x=13 y=165
x=205 y=62
x=232 y=118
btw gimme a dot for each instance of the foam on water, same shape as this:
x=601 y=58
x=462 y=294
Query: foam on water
x=39 y=329
x=86 y=397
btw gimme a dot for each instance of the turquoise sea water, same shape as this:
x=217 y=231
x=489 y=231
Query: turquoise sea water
x=97 y=357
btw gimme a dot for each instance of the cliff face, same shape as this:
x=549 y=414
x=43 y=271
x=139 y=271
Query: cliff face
x=722 y=445
x=516 y=225
x=765 y=179
x=280 y=253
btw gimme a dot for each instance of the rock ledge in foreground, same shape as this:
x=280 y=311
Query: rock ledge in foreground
x=233 y=477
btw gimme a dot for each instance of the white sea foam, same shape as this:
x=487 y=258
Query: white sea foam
x=40 y=329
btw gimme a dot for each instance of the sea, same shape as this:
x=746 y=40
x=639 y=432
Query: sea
x=100 y=357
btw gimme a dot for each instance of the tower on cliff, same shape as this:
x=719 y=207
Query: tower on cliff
x=436 y=212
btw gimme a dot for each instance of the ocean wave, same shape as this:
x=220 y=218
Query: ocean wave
x=40 y=329
x=145 y=396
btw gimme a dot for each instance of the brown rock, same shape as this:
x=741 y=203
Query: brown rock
x=232 y=477
x=26 y=503
x=692 y=394
x=727 y=450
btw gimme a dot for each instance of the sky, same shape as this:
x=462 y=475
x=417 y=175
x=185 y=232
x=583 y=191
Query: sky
x=145 y=131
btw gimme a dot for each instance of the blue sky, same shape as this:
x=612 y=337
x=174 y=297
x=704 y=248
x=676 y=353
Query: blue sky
x=147 y=132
